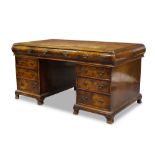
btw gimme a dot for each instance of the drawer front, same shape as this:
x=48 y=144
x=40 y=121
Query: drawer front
x=27 y=63
x=27 y=85
x=93 y=100
x=95 y=72
x=26 y=74
x=93 y=85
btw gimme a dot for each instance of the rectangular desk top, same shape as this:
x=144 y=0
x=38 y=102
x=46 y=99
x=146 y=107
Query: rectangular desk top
x=87 y=51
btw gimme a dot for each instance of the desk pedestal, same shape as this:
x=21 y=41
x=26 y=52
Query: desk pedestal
x=40 y=78
x=100 y=89
x=107 y=90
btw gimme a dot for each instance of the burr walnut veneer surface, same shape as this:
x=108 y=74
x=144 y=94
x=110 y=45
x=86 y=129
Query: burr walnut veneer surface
x=105 y=75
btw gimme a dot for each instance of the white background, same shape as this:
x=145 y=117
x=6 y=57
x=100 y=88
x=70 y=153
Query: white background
x=26 y=128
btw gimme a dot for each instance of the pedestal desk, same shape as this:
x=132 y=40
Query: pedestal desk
x=105 y=75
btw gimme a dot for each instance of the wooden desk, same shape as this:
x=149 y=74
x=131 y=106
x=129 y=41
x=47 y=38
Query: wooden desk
x=106 y=75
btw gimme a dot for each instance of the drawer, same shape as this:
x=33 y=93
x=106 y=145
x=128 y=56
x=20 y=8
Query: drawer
x=27 y=63
x=93 y=85
x=95 y=72
x=26 y=74
x=27 y=85
x=93 y=100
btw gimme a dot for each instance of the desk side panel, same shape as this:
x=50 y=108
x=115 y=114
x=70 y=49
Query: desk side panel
x=125 y=85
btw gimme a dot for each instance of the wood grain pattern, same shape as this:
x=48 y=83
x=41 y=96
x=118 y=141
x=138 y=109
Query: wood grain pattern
x=41 y=78
x=28 y=85
x=125 y=83
x=93 y=85
x=27 y=63
x=93 y=72
x=93 y=100
x=26 y=74
x=87 y=51
x=96 y=46
x=105 y=75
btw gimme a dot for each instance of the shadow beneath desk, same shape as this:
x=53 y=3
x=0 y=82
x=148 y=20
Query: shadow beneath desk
x=62 y=101
x=118 y=117
x=65 y=101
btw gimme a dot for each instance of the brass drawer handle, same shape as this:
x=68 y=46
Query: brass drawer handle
x=84 y=98
x=85 y=56
x=100 y=101
x=34 y=85
x=30 y=51
x=101 y=73
x=101 y=86
x=65 y=53
x=45 y=52
x=83 y=70
x=32 y=64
